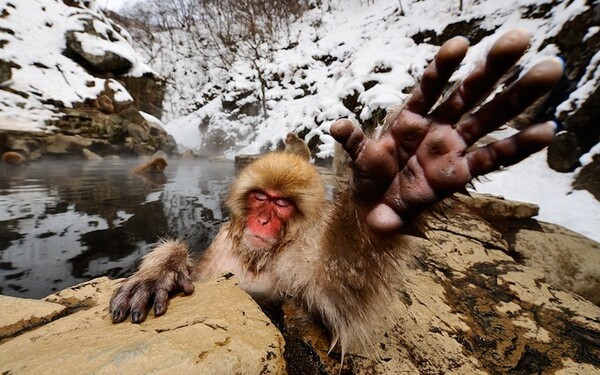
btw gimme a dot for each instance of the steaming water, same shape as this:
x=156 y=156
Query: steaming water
x=65 y=222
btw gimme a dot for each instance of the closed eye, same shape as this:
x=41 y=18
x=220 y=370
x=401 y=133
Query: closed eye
x=281 y=202
x=260 y=196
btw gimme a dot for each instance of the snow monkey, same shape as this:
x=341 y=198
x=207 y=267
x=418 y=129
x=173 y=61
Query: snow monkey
x=341 y=259
x=156 y=165
x=295 y=145
x=14 y=159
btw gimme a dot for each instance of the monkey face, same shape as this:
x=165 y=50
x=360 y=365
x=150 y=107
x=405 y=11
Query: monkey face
x=161 y=165
x=268 y=214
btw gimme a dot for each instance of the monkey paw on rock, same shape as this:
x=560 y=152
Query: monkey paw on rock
x=165 y=270
x=424 y=155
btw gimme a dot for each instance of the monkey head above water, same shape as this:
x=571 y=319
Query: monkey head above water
x=342 y=259
x=156 y=165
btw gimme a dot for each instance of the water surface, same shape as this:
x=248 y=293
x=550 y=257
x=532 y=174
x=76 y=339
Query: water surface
x=65 y=222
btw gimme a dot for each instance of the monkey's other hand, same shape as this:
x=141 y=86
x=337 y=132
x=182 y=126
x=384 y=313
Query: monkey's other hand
x=424 y=155
x=165 y=270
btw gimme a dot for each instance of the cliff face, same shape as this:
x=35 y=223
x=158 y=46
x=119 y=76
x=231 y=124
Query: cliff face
x=486 y=296
x=65 y=73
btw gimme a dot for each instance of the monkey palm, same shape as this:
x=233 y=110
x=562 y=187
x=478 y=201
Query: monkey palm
x=342 y=259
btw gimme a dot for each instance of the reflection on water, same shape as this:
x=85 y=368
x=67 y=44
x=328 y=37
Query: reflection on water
x=65 y=222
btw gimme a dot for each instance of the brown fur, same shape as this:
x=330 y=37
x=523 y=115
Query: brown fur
x=105 y=104
x=295 y=145
x=327 y=260
x=13 y=158
x=163 y=269
x=156 y=165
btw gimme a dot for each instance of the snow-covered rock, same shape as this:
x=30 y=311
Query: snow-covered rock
x=63 y=65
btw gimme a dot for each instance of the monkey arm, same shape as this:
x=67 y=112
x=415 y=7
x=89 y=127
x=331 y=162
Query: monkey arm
x=424 y=154
x=166 y=269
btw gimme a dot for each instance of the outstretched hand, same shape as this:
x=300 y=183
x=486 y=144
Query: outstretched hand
x=424 y=155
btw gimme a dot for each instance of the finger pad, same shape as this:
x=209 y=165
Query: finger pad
x=383 y=219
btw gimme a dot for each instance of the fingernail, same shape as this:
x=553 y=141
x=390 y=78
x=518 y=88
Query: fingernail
x=135 y=317
x=116 y=315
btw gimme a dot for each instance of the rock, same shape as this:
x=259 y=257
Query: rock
x=89 y=155
x=588 y=177
x=20 y=315
x=491 y=207
x=6 y=70
x=564 y=152
x=132 y=115
x=148 y=92
x=63 y=144
x=216 y=141
x=471 y=29
x=578 y=49
x=137 y=132
x=568 y=260
x=218 y=329
x=96 y=32
x=87 y=97
x=188 y=154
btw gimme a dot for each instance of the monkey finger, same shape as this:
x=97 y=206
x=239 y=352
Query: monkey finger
x=161 y=301
x=119 y=303
x=478 y=83
x=383 y=219
x=436 y=75
x=139 y=304
x=510 y=150
x=534 y=84
x=119 y=313
x=351 y=137
x=185 y=283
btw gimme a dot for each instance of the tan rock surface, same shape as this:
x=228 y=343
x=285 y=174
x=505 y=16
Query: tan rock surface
x=217 y=330
x=567 y=260
x=19 y=314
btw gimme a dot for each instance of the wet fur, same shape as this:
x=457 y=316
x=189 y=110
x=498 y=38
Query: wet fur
x=156 y=165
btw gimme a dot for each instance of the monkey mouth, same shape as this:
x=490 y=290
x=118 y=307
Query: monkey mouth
x=257 y=242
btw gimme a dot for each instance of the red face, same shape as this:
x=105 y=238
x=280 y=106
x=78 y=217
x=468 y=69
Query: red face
x=267 y=214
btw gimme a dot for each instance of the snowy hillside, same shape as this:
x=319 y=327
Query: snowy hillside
x=368 y=52
x=342 y=47
x=43 y=75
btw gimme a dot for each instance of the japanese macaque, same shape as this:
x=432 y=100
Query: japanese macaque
x=342 y=259
x=105 y=104
x=295 y=145
x=156 y=165
x=14 y=159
